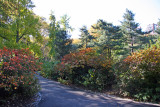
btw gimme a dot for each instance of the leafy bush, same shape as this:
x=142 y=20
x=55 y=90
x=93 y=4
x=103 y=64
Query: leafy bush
x=88 y=69
x=48 y=69
x=140 y=75
x=17 y=72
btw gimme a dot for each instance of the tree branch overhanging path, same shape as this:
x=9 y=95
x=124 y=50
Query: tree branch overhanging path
x=56 y=95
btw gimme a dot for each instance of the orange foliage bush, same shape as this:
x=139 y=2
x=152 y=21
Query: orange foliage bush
x=145 y=60
x=17 y=70
x=148 y=56
x=86 y=57
x=144 y=74
x=84 y=63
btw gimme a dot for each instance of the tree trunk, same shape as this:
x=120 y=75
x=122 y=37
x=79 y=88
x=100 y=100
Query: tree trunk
x=17 y=36
x=110 y=53
x=86 y=43
x=132 y=44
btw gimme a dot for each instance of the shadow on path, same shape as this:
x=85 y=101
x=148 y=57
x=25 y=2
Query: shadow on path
x=56 y=95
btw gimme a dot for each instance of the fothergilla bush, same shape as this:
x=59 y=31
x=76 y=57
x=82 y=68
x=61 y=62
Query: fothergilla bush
x=17 y=72
x=86 y=68
x=142 y=79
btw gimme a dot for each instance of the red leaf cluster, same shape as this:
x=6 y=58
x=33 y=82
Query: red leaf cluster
x=85 y=57
x=17 y=67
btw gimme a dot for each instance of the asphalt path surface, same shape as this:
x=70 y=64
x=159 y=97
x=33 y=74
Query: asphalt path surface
x=55 y=94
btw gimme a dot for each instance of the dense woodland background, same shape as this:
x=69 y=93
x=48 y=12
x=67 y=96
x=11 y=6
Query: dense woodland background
x=123 y=60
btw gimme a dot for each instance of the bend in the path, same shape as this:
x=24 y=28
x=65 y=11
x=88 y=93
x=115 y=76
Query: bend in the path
x=56 y=95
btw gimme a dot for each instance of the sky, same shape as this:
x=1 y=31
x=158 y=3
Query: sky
x=87 y=12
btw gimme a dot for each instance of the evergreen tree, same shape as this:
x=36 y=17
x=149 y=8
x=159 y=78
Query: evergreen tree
x=63 y=44
x=158 y=27
x=147 y=41
x=85 y=37
x=65 y=23
x=130 y=29
x=110 y=36
x=60 y=41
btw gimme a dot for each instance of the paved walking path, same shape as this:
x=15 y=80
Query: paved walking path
x=56 y=95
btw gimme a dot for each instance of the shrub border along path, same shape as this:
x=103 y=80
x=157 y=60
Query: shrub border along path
x=55 y=94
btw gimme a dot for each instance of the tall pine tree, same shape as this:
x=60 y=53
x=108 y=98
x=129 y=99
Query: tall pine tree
x=109 y=36
x=85 y=37
x=130 y=29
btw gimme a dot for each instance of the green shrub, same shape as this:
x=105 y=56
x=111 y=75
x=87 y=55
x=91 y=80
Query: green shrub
x=99 y=79
x=48 y=69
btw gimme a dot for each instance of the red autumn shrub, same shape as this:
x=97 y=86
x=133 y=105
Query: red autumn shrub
x=77 y=67
x=17 y=69
x=86 y=57
x=142 y=79
x=144 y=61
